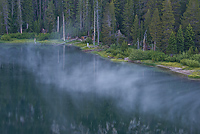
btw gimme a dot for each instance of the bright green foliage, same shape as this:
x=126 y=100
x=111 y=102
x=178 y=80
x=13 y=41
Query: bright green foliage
x=189 y=38
x=171 y=48
x=135 y=30
x=192 y=16
x=50 y=17
x=155 y=29
x=190 y=63
x=180 y=40
x=124 y=46
x=191 y=51
x=167 y=23
x=196 y=51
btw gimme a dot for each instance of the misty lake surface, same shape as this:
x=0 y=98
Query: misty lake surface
x=48 y=89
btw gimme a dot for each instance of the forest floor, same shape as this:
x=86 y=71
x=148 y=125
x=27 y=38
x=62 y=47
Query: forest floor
x=192 y=73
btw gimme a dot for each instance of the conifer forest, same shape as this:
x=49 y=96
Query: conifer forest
x=171 y=26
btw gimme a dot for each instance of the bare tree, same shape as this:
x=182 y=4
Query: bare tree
x=20 y=15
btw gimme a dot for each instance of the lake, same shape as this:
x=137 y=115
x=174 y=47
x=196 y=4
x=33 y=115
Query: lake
x=48 y=89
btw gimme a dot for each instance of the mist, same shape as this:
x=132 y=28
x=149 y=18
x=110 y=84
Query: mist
x=133 y=87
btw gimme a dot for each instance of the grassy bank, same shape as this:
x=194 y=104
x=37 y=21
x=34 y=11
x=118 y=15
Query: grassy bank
x=17 y=41
x=186 y=64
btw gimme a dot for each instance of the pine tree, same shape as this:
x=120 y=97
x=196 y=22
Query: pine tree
x=108 y=24
x=5 y=15
x=28 y=14
x=128 y=19
x=172 y=48
x=135 y=30
x=192 y=16
x=147 y=22
x=167 y=23
x=50 y=17
x=180 y=40
x=1 y=18
x=155 y=29
x=189 y=38
x=176 y=7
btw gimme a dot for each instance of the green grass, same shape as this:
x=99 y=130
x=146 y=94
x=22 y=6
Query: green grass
x=53 y=41
x=148 y=62
x=171 y=64
x=118 y=60
x=195 y=75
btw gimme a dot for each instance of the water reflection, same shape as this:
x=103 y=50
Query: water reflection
x=58 y=89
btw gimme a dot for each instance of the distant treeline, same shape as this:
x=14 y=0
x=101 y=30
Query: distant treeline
x=171 y=26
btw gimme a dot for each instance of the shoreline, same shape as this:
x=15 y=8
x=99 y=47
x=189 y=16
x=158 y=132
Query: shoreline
x=178 y=70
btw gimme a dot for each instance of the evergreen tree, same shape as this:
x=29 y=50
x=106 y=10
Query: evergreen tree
x=147 y=22
x=189 y=38
x=176 y=7
x=128 y=18
x=180 y=40
x=155 y=29
x=5 y=15
x=1 y=18
x=50 y=17
x=172 y=48
x=108 y=24
x=192 y=16
x=28 y=14
x=167 y=23
x=135 y=30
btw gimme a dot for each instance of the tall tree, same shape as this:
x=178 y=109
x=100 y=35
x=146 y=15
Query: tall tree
x=192 y=16
x=108 y=23
x=147 y=21
x=135 y=30
x=5 y=15
x=50 y=17
x=19 y=15
x=167 y=23
x=180 y=40
x=189 y=38
x=28 y=14
x=176 y=7
x=155 y=29
x=172 y=48
x=128 y=18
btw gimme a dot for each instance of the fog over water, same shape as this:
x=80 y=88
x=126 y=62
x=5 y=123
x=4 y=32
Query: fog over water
x=79 y=92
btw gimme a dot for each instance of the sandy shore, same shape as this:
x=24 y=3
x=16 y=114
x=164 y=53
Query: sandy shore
x=177 y=70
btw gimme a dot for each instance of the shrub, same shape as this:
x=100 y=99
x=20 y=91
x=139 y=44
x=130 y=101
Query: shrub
x=138 y=55
x=184 y=55
x=54 y=35
x=43 y=36
x=6 y=37
x=190 y=63
x=170 y=59
x=158 y=56
x=23 y=35
x=195 y=57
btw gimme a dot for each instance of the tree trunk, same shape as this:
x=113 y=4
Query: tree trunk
x=98 y=22
x=154 y=46
x=94 y=26
x=58 y=24
x=20 y=15
x=63 y=27
x=138 y=45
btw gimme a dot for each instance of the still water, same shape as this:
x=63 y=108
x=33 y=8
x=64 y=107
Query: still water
x=48 y=89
